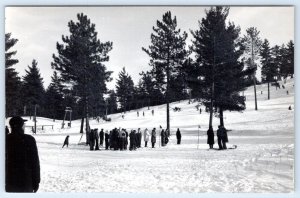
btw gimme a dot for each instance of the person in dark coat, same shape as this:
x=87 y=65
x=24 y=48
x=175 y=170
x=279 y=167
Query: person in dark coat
x=22 y=165
x=97 y=139
x=132 y=138
x=163 y=137
x=153 y=137
x=66 y=142
x=106 y=140
x=222 y=137
x=101 y=134
x=178 y=136
x=210 y=137
x=92 y=139
x=6 y=130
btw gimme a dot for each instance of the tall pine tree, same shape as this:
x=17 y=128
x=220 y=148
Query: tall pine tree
x=268 y=70
x=80 y=63
x=252 y=44
x=12 y=80
x=54 y=98
x=125 y=90
x=33 y=88
x=217 y=52
x=167 y=52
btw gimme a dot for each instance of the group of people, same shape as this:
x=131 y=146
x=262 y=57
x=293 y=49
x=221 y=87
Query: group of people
x=121 y=139
x=221 y=135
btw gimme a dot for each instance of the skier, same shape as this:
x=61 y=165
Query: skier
x=210 y=137
x=153 y=137
x=146 y=136
x=66 y=142
x=138 y=114
x=22 y=166
x=178 y=136
x=143 y=113
x=101 y=137
x=152 y=111
x=122 y=139
x=290 y=108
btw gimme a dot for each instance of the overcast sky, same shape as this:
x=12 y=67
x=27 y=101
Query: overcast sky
x=129 y=28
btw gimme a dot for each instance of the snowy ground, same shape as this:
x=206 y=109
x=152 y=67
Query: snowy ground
x=262 y=162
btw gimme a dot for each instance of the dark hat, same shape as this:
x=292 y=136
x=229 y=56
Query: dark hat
x=16 y=121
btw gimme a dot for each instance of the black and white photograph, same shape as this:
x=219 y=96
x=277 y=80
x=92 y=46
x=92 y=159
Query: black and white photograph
x=149 y=99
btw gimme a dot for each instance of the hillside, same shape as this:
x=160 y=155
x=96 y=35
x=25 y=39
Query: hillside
x=262 y=162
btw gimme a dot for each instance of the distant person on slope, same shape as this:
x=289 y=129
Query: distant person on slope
x=22 y=165
x=178 y=136
x=66 y=142
x=210 y=138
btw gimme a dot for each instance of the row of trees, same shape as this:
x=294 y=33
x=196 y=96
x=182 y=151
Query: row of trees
x=218 y=65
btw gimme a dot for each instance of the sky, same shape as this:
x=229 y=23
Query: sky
x=38 y=29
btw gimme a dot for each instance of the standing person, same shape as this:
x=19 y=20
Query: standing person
x=143 y=113
x=146 y=136
x=138 y=114
x=106 y=140
x=211 y=138
x=101 y=137
x=139 y=137
x=96 y=138
x=222 y=137
x=153 y=137
x=163 y=137
x=132 y=138
x=66 y=142
x=22 y=165
x=92 y=139
x=152 y=111
x=178 y=136
x=126 y=140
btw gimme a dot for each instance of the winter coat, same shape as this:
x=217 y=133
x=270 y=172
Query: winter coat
x=210 y=137
x=178 y=134
x=146 y=135
x=222 y=133
x=101 y=134
x=153 y=136
x=22 y=163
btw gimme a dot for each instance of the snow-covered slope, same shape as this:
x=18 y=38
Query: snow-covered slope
x=262 y=162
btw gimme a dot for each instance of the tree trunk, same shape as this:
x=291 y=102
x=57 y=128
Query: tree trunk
x=221 y=117
x=268 y=90
x=254 y=81
x=81 y=125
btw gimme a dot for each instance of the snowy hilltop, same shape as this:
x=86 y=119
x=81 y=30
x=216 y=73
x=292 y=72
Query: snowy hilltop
x=262 y=162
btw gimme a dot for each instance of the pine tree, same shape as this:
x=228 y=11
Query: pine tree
x=33 y=88
x=288 y=68
x=80 y=63
x=12 y=80
x=54 y=98
x=167 y=52
x=112 y=106
x=268 y=69
x=217 y=53
x=252 y=45
x=125 y=90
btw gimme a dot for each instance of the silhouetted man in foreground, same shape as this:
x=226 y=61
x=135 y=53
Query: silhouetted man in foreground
x=22 y=164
